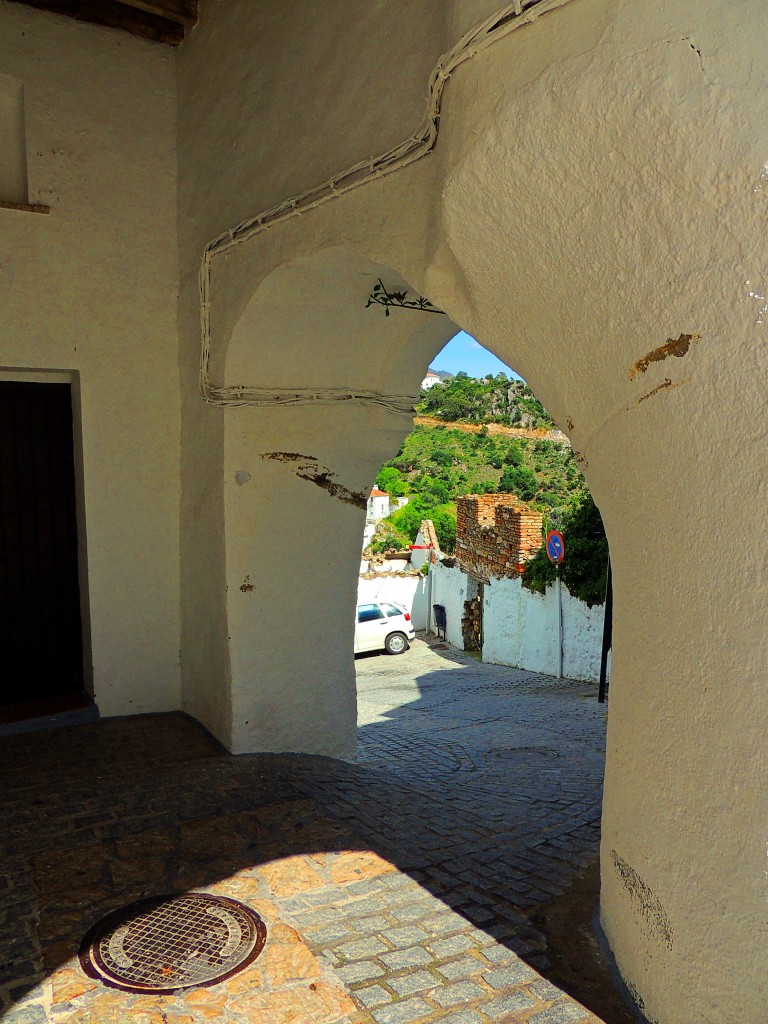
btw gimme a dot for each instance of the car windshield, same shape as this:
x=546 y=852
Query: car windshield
x=392 y=609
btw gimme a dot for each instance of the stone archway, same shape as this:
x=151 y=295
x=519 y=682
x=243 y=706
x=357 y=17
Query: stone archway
x=634 y=318
x=296 y=480
x=597 y=202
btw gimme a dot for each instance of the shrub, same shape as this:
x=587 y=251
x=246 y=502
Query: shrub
x=514 y=455
x=407 y=520
x=391 y=480
x=520 y=481
x=585 y=566
x=387 y=538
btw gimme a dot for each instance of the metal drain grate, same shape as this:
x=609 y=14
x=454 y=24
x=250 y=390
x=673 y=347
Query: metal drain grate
x=173 y=942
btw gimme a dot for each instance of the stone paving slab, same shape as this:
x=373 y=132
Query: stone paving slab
x=395 y=890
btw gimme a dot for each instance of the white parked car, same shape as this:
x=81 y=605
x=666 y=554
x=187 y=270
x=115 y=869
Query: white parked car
x=383 y=626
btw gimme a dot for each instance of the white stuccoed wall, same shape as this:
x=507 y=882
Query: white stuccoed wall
x=90 y=290
x=520 y=629
x=449 y=588
x=282 y=518
x=408 y=591
x=249 y=682
x=597 y=189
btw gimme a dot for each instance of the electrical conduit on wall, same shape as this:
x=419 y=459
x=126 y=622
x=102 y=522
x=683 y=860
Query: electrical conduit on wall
x=510 y=17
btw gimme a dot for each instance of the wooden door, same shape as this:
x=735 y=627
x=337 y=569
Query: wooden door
x=41 y=655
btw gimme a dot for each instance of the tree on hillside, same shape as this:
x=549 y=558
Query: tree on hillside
x=440 y=491
x=520 y=481
x=407 y=521
x=391 y=480
x=514 y=455
x=441 y=457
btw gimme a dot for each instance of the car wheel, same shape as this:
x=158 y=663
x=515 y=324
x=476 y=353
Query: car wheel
x=396 y=643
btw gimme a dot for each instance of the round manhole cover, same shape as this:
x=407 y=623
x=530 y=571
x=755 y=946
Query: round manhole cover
x=525 y=753
x=172 y=942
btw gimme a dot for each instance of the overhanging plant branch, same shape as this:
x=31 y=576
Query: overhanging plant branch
x=381 y=297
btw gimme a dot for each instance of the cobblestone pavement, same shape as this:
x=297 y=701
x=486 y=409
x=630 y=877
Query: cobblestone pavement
x=394 y=891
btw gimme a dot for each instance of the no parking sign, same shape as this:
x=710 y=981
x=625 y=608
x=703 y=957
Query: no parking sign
x=555 y=546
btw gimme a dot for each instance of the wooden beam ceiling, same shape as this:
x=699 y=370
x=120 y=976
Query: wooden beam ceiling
x=162 y=21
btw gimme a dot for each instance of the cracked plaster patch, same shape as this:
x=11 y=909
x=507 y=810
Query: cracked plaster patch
x=308 y=468
x=672 y=347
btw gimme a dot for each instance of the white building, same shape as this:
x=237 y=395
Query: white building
x=429 y=381
x=380 y=505
x=190 y=235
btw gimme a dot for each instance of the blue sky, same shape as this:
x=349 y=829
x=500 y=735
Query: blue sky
x=464 y=353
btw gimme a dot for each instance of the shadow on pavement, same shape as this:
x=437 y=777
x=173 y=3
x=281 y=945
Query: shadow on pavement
x=469 y=810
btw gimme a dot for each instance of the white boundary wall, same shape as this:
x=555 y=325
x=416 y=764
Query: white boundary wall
x=410 y=591
x=520 y=627
x=450 y=588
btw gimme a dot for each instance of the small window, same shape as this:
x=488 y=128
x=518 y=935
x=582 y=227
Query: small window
x=369 y=612
x=13 y=147
x=391 y=610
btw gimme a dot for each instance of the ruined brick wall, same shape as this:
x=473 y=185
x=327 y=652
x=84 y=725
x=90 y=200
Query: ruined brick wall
x=429 y=534
x=495 y=534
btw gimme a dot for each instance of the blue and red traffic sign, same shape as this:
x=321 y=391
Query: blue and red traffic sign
x=555 y=546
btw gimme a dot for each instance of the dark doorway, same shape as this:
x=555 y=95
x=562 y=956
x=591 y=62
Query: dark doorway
x=40 y=620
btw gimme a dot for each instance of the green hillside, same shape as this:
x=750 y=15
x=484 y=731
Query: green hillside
x=488 y=400
x=442 y=463
x=438 y=463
